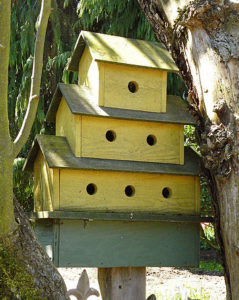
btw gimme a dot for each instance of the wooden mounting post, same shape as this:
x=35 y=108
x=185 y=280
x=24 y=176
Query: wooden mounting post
x=122 y=283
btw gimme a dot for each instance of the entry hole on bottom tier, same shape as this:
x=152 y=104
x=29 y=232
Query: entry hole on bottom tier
x=151 y=140
x=91 y=188
x=129 y=191
x=166 y=192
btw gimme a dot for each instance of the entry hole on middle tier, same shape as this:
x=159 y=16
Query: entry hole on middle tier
x=91 y=188
x=129 y=191
x=151 y=140
x=110 y=135
x=166 y=192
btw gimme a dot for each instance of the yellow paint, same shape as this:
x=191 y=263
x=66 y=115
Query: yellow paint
x=46 y=186
x=108 y=83
x=151 y=88
x=43 y=185
x=89 y=74
x=197 y=194
x=110 y=192
x=68 y=125
x=131 y=140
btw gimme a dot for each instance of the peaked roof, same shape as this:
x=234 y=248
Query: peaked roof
x=120 y=50
x=79 y=101
x=58 y=154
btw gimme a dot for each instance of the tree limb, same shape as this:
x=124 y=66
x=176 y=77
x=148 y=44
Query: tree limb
x=35 y=79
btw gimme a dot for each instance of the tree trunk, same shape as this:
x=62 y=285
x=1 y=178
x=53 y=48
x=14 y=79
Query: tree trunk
x=203 y=39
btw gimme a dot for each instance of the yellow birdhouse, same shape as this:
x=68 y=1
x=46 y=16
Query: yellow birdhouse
x=117 y=171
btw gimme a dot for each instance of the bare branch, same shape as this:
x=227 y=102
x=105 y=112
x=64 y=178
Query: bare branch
x=35 y=79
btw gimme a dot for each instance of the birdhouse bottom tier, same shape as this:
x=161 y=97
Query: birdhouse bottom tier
x=93 y=190
x=100 y=243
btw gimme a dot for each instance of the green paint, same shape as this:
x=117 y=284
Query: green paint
x=117 y=244
x=58 y=154
x=79 y=102
x=115 y=216
x=120 y=50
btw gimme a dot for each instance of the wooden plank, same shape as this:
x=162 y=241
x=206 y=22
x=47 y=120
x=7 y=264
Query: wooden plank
x=197 y=195
x=56 y=189
x=89 y=74
x=118 y=216
x=81 y=101
x=119 y=191
x=149 y=93
x=122 y=283
x=142 y=141
x=123 y=244
x=43 y=190
x=66 y=125
x=58 y=154
x=122 y=50
x=44 y=232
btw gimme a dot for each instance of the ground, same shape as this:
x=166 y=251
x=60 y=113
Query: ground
x=167 y=283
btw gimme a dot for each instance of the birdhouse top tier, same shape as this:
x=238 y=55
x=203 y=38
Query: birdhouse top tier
x=120 y=50
x=123 y=73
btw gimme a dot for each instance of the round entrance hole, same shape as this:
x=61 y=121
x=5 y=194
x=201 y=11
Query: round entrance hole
x=91 y=188
x=151 y=140
x=133 y=86
x=110 y=135
x=166 y=192
x=129 y=191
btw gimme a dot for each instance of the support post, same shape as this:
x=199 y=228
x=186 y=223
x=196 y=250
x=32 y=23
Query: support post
x=122 y=283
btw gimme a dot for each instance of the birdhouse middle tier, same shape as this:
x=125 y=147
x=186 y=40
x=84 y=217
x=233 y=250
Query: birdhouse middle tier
x=121 y=72
x=113 y=133
x=65 y=182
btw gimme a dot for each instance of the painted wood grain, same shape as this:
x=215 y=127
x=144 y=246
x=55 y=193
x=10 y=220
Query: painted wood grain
x=130 y=141
x=150 y=93
x=110 y=195
x=122 y=244
x=67 y=125
x=89 y=74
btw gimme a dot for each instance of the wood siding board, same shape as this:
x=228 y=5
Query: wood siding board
x=56 y=189
x=66 y=125
x=131 y=144
x=80 y=101
x=121 y=50
x=110 y=192
x=197 y=194
x=58 y=154
x=56 y=234
x=181 y=146
x=150 y=94
x=99 y=243
x=118 y=216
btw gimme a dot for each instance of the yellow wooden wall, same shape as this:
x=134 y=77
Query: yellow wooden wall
x=46 y=185
x=110 y=192
x=68 y=125
x=89 y=74
x=151 y=87
x=131 y=140
x=109 y=84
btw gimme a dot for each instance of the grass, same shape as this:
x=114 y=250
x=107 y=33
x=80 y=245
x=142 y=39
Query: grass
x=210 y=266
x=184 y=292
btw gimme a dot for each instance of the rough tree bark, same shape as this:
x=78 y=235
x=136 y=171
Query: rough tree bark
x=203 y=38
x=18 y=236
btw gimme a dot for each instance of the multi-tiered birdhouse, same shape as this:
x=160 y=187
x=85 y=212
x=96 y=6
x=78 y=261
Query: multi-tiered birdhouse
x=115 y=186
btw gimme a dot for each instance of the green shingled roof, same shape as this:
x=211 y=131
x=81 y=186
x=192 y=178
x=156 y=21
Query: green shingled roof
x=58 y=154
x=80 y=101
x=120 y=50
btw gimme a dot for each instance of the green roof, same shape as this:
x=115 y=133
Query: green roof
x=80 y=101
x=121 y=50
x=58 y=154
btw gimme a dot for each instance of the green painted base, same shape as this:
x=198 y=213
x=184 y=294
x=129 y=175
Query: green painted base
x=79 y=243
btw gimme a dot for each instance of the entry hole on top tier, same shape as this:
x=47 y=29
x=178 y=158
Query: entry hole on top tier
x=166 y=192
x=151 y=140
x=91 y=188
x=129 y=191
x=110 y=135
x=133 y=86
